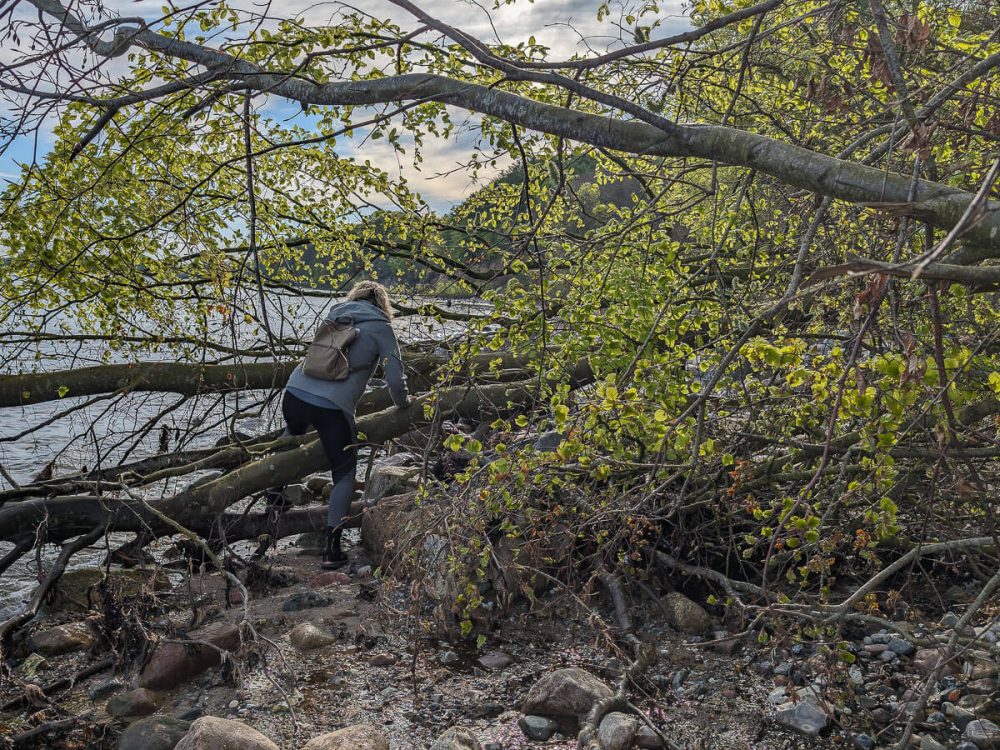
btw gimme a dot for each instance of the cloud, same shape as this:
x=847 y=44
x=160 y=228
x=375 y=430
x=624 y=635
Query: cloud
x=567 y=27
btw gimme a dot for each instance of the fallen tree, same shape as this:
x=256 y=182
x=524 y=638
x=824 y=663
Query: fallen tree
x=200 y=506
x=197 y=379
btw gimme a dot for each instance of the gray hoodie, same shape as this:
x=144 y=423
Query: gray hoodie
x=376 y=344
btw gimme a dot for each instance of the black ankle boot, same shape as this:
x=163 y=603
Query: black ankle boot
x=333 y=557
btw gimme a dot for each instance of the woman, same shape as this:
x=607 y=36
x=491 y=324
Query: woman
x=328 y=405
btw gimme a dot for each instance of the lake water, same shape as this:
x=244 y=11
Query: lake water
x=132 y=426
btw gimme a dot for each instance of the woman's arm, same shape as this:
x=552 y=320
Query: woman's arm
x=392 y=366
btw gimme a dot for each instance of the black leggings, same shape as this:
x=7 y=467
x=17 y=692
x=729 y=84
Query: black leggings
x=338 y=439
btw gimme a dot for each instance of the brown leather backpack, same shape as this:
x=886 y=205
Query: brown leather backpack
x=327 y=355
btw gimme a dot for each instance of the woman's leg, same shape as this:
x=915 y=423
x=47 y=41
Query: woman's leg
x=338 y=439
x=298 y=417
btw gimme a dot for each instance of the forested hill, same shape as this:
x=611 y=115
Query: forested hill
x=484 y=213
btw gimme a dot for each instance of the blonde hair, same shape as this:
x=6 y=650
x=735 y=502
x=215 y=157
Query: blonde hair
x=374 y=293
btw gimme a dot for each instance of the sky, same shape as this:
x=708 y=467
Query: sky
x=567 y=27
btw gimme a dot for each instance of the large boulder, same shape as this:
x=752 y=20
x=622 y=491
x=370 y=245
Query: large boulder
x=62 y=639
x=79 y=590
x=213 y=733
x=388 y=480
x=173 y=663
x=154 y=733
x=567 y=692
x=685 y=615
x=456 y=738
x=357 y=737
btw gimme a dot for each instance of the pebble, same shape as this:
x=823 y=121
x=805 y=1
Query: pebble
x=383 y=660
x=234 y=704
x=929 y=743
x=901 y=647
x=804 y=718
x=965 y=746
x=537 y=728
x=983 y=733
x=863 y=742
x=449 y=657
x=496 y=660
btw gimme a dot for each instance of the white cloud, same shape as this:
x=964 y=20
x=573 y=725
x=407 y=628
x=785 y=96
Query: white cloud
x=567 y=27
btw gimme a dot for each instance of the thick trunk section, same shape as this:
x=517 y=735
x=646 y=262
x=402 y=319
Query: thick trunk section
x=194 y=379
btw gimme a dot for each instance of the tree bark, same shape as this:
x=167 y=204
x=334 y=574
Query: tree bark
x=194 y=379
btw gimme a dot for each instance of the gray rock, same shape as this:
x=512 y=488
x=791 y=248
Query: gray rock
x=448 y=658
x=297 y=495
x=154 y=733
x=982 y=668
x=565 y=692
x=965 y=746
x=805 y=718
x=456 y=738
x=929 y=743
x=856 y=676
x=305 y=600
x=104 y=688
x=213 y=733
x=495 y=660
x=548 y=441
x=960 y=717
x=617 y=730
x=537 y=728
x=306 y=637
x=387 y=480
x=949 y=620
x=685 y=615
x=901 y=647
x=983 y=734
x=863 y=742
